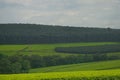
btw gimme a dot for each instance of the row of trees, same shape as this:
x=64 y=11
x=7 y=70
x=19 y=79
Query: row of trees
x=23 y=63
x=31 y=33
x=90 y=49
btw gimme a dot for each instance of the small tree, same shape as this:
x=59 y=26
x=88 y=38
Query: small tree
x=5 y=65
x=16 y=67
x=25 y=66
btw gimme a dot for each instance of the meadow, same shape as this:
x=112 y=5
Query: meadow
x=78 y=75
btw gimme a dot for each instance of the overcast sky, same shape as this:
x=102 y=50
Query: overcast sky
x=88 y=13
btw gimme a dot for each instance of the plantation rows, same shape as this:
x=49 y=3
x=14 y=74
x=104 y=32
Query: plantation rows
x=90 y=49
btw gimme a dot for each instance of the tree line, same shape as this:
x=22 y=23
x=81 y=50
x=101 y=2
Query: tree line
x=23 y=63
x=32 y=33
x=90 y=49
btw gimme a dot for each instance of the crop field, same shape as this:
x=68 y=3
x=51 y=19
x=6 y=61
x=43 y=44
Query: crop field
x=78 y=75
x=44 y=49
x=103 y=70
x=102 y=65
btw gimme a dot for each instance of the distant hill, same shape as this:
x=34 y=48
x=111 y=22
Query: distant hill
x=33 y=34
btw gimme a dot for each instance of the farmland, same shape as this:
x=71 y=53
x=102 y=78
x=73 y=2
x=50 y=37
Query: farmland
x=78 y=75
x=52 y=52
x=44 y=49
x=44 y=55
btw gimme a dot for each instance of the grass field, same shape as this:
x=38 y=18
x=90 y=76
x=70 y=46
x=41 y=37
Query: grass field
x=102 y=65
x=44 y=49
x=78 y=75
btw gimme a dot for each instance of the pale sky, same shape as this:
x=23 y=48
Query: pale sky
x=85 y=13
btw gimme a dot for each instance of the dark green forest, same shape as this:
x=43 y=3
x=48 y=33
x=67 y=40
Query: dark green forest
x=90 y=49
x=33 y=33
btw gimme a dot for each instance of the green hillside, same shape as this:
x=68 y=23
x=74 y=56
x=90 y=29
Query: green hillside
x=44 y=55
x=102 y=65
x=36 y=34
x=32 y=49
x=79 y=75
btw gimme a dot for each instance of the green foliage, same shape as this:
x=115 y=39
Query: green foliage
x=101 y=65
x=90 y=49
x=34 y=34
x=44 y=61
x=39 y=60
x=78 y=75
x=25 y=66
x=32 y=60
x=14 y=64
x=22 y=64
x=5 y=66
x=16 y=67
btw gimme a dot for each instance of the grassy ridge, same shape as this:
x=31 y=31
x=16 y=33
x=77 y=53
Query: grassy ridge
x=103 y=65
x=79 y=75
x=44 y=49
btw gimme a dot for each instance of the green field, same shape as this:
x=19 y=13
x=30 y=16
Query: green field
x=78 y=75
x=44 y=49
x=102 y=65
x=103 y=70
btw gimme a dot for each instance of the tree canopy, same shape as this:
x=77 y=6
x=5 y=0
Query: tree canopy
x=32 y=33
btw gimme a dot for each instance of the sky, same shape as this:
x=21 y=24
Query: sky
x=79 y=13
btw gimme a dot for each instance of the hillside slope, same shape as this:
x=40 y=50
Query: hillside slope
x=31 y=33
x=103 y=65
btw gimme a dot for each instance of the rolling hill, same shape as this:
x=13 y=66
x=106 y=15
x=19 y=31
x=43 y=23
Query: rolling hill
x=102 y=65
x=35 y=34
